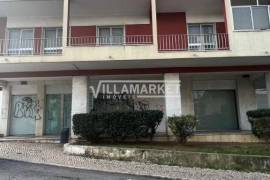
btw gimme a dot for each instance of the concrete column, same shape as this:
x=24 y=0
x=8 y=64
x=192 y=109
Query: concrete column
x=267 y=82
x=6 y=99
x=40 y=109
x=66 y=8
x=246 y=101
x=80 y=97
x=154 y=23
x=172 y=95
x=229 y=19
x=187 y=96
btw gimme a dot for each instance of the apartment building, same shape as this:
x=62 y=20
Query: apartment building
x=52 y=51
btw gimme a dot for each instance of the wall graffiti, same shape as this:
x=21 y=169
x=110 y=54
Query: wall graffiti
x=27 y=107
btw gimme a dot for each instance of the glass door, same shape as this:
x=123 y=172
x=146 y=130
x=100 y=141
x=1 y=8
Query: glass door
x=208 y=37
x=67 y=111
x=201 y=37
x=58 y=113
x=53 y=114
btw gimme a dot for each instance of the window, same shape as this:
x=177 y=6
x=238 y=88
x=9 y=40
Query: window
x=111 y=35
x=53 y=40
x=201 y=36
x=20 y=41
x=251 y=15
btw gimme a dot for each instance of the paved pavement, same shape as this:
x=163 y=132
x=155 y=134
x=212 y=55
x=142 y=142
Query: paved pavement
x=15 y=170
x=52 y=154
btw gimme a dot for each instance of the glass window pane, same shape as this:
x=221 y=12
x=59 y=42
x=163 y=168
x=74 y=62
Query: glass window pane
x=14 y=34
x=194 y=29
x=264 y=2
x=27 y=42
x=27 y=34
x=207 y=29
x=216 y=110
x=50 y=38
x=260 y=17
x=242 y=18
x=60 y=33
x=243 y=2
x=194 y=37
x=208 y=37
x=118 y=35
x=53 y=114
x=104 y=35
x=14 y=41
x=59 y=38
x=50 y=33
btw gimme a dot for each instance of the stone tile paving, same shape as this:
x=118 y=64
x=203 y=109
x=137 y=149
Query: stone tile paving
x=52 y=154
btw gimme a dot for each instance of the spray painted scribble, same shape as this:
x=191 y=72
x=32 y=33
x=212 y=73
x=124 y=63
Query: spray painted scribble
x=27 y=108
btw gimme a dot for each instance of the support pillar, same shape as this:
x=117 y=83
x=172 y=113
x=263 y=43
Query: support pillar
x=267 y=82
x=40 y=109
x=187 y=96
x=154 y=23
x=246 y=101
x=66 y=10
x=228 y=20
x=80 y=97
x=172 y=95
x=5 y=109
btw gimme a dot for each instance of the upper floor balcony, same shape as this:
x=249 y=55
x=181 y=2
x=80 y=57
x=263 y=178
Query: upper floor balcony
x=128 y=29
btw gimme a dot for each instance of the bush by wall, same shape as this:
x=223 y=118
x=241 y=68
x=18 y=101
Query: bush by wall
x=260 y=122
x=117 y=126
x=182 y=126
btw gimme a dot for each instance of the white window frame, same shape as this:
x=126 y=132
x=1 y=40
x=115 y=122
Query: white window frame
x=20 y=49
x=201 y=45
x=252 y=18
x=110 y=43
x=50 y=49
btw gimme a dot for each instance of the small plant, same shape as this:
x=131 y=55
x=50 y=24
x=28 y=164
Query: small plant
x=182 y=127
x=260 y=122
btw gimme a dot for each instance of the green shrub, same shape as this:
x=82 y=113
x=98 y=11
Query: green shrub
x=89 y=126
x=182 y=127
x=260 y=122
x=117 y=126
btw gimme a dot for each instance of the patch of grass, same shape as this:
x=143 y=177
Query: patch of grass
x=224 y=148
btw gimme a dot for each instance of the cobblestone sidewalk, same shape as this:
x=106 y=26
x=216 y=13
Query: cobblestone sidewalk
x=52 y=154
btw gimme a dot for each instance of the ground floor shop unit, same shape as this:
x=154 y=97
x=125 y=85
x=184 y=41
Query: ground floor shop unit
x=43 y=106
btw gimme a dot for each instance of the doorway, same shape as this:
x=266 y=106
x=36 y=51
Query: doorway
x=58 y=113
x=24 y=113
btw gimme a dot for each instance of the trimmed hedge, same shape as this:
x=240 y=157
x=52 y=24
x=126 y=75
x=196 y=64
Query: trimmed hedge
x=260 y=122
x=117 y=126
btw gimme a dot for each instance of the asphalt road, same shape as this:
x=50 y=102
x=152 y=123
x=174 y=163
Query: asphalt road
x=15 y=170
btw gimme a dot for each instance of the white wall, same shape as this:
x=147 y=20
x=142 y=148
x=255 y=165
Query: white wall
x=25 y=22
x=109 y=20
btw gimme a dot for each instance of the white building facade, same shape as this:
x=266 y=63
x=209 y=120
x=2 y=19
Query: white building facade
x=52 y=52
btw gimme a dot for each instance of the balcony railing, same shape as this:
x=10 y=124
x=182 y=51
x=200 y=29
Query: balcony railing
x=111 y=40
x=19 y=47
x=200 y=42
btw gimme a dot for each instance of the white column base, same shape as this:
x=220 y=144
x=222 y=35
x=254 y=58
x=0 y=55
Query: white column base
x=80 y=97
x=246 y=101
x=172 y=95
x=4 y=123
